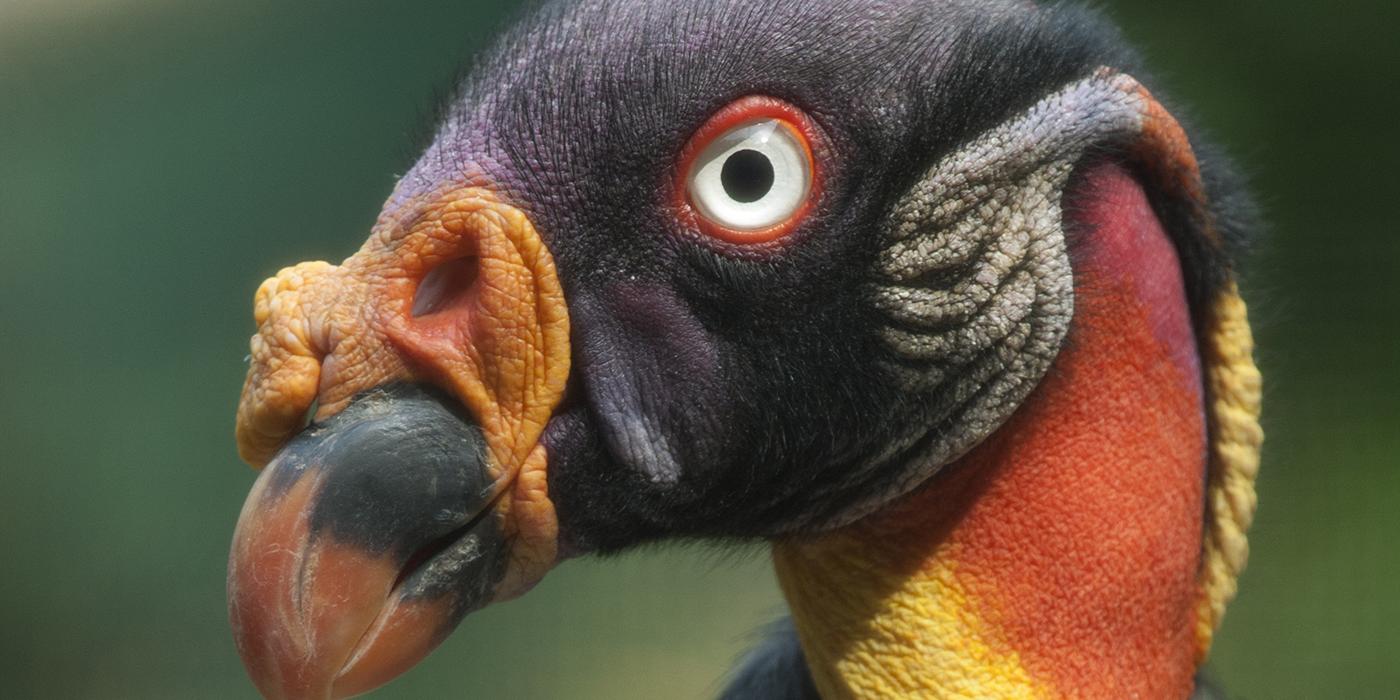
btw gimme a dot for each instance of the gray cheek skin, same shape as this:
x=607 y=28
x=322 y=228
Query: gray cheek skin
x=974 y=280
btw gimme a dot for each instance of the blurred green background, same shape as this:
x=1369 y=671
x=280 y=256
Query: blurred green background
x=159 y=158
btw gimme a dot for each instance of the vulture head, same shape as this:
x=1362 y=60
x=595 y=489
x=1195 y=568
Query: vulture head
x=934 y=295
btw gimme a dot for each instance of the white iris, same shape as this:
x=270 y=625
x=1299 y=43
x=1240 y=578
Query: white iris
x=753 y=176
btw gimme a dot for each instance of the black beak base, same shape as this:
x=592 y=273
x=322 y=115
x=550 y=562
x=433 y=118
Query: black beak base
x=363 y=544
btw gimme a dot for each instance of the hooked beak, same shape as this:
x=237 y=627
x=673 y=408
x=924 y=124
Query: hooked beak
x=362 y=545
x=372 y=532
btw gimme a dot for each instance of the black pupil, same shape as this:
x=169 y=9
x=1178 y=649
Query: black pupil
x=747 y=176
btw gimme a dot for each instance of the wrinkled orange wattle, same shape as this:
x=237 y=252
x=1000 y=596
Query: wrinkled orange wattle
x=496 y=338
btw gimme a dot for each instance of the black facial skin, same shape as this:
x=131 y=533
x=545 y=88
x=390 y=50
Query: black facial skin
x=719 y=390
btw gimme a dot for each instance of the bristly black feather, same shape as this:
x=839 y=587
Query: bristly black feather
x=775 y=669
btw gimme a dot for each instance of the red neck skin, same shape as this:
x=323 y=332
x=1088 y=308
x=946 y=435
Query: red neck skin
x=1076 y=528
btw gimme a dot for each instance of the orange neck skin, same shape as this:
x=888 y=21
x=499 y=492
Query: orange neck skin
x=1060 y=557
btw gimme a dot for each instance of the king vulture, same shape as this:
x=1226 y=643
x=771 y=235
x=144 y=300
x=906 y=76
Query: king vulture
x=935 y=296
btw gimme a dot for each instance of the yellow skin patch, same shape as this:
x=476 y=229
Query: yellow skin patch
x=911 y=634
x=497 y=340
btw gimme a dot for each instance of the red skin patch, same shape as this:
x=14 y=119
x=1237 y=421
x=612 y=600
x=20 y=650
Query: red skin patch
x=1076 y=529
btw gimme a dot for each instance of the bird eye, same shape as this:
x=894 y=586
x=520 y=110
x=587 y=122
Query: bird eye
x=749 y=173
x=754 y=176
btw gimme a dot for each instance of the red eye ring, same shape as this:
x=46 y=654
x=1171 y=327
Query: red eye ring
x=743 y=111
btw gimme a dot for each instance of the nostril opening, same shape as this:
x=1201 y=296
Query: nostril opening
x=445 y=286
